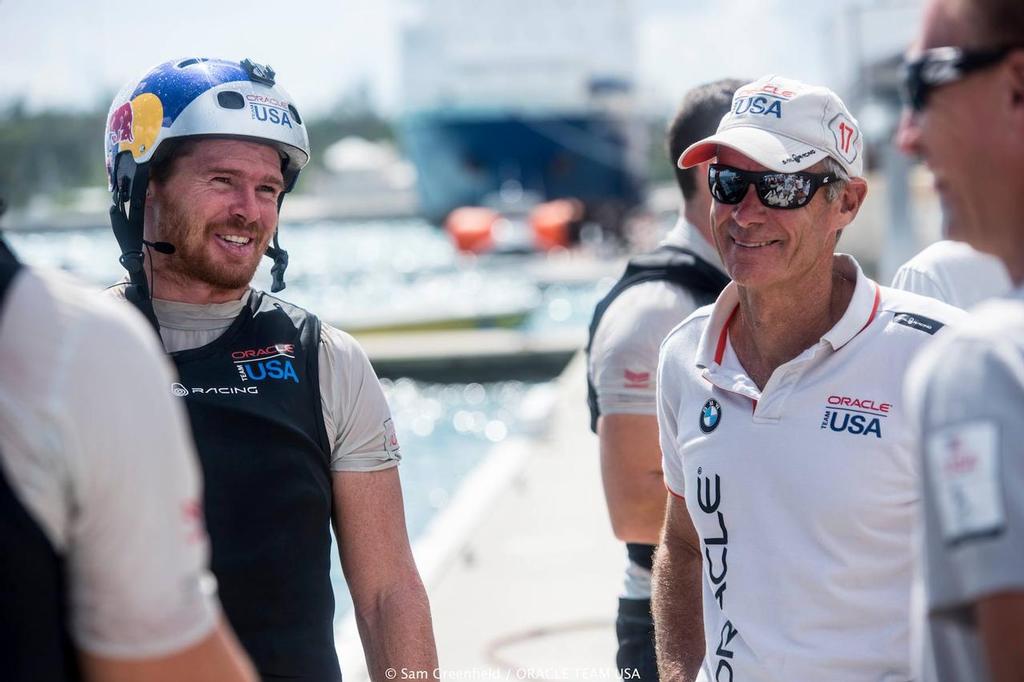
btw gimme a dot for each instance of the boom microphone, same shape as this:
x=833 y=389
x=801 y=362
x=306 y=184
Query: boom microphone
x=160 y=247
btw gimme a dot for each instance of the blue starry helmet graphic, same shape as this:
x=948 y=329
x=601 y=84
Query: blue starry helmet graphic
x=710 y=415
x=203 y=97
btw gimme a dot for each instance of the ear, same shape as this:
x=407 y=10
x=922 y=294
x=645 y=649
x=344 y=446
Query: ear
x=1015 y=79
x=852 y=198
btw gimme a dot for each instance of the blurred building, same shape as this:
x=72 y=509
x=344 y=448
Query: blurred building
x=510 y=102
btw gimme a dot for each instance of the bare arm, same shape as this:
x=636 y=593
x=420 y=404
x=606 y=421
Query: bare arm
x=391 y=604
x=1000 y=620
x=634 y=486
x=217 y=658
x=676 y=602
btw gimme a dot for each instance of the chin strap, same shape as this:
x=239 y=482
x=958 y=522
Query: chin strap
x=126 y=220
x=279 y=255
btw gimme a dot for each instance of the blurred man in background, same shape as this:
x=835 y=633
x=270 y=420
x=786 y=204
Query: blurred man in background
x=965 y=119
x=104 y=570
x=953 y=272
x=656 y=293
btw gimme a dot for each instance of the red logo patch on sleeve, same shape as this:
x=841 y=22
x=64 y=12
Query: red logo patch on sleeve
x=391 y=439
x=637 y=379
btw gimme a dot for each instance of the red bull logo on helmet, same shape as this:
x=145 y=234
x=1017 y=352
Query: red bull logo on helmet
x=135 y=125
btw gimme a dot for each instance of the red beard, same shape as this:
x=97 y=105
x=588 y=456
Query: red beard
x=192 y=258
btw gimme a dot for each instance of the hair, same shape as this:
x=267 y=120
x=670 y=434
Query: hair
x=834 y=189
x=162 y=165
x=995 y=22
x=698 y=117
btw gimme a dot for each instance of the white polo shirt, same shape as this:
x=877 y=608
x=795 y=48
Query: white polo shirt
x=955 y=273
x=99 y=453
x=803 y=494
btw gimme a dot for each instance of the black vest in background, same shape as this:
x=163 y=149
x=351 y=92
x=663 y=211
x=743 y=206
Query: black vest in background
x=34 y=641
x=253 y=398
x=681 y=267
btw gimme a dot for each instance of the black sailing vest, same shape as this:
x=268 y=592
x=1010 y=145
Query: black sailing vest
x=34 y=640
x=666 y=263
x=253 y=398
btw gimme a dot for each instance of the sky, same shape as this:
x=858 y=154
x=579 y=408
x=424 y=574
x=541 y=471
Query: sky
x=76 y=53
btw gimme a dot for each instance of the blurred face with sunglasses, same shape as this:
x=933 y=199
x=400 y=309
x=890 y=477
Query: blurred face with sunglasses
x=777 y=229
x=964 y=116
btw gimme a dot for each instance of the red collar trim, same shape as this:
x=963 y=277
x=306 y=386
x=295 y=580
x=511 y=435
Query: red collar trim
x=874 y=308
x=723 y=336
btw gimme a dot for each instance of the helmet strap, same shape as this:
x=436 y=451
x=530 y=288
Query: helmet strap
x=279 y=255
x=126 y=219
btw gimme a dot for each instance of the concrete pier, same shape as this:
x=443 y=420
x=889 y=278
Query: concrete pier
x=522 y=569
x=472 y=354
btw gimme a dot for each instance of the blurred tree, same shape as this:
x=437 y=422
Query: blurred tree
x=49 y=151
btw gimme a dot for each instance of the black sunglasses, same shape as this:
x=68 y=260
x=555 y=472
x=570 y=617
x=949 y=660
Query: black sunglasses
x=941 y=65
x=775 y=190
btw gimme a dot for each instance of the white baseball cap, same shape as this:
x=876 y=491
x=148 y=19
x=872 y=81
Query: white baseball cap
x=786 y=126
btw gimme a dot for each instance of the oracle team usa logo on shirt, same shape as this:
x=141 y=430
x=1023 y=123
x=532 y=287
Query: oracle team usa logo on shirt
x=272 y=362
x=859 y=416
x=716 y=551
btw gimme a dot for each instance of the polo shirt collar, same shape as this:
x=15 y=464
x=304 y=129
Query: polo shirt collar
x=859 y=314
x=863 y=306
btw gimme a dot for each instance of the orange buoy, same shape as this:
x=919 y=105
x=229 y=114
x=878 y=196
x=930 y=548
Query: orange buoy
x=472 y=228
x=552 y=222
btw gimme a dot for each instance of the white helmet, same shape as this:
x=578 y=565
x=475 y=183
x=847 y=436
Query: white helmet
x=198 y=97
x=188 y=98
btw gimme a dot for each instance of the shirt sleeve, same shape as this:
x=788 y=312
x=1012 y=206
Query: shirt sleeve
x=137 y=548
x=624 y=352
x=914 y=280
x=668 y=428
x=356 y=412
x=968 y=395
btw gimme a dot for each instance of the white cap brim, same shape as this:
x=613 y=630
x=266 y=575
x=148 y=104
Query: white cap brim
x=773 y=151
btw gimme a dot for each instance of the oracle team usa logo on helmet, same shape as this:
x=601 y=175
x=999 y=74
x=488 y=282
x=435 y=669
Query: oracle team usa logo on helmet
x=710 y=415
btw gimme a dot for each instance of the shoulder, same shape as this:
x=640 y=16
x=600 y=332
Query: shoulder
x=47 y=304
x=993 y=328
x=945 y=258
x=687 y=334
x=954 y=272
x=973 y=379
x=342 y=357
x=915 y=316
x=944 y=254
x=651 y=299
x=646 y=310
x=340 y=343
x=677 y=357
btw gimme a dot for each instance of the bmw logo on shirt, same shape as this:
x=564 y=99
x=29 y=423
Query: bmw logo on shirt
x=710 y=416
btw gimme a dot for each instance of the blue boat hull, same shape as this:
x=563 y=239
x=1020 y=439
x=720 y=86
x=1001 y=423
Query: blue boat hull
x=462 y=157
